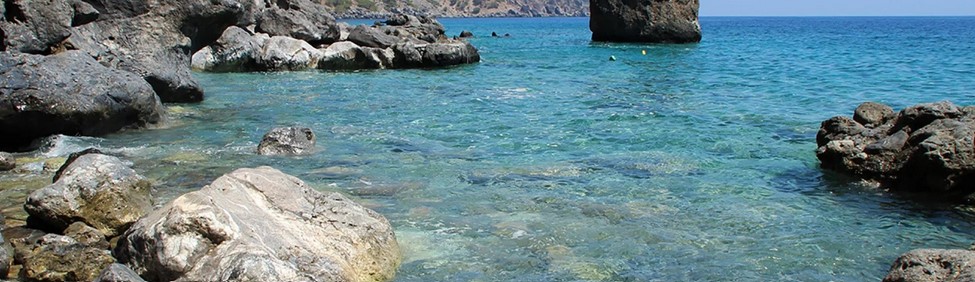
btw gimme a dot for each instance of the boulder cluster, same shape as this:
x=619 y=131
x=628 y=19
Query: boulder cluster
x=927 y=149
x=90 y=67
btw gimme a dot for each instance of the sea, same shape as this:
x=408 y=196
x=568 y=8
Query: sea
x=548 y=161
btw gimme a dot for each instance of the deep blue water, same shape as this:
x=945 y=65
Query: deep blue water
x=549 y=162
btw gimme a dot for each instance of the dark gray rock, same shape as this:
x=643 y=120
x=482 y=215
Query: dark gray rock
x=466 y=34
x=100 y=190
x=83 y=13
x=118 y=273
x=299 y=19
x=236 y=50
x=671 y=21
x=925 y=149
x=931 y=265
x=287 y=141
x=261 y=225
x=61 y=258
x=6 y=257
x=410 y=55
x=69 y=93
x=371 y=37
x=35 y=26
x=7 y=161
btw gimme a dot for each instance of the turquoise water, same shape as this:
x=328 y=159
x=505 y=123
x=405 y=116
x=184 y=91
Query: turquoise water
x=548 y=162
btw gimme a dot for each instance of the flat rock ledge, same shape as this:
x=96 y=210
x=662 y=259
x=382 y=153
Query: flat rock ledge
x=933 y=265
x=260 y=225
x=926 y=149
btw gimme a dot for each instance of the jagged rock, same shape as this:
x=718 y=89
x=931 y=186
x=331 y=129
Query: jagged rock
x=671 y=21
x=68 y=93
x=83 y=13
x=371 y=37
x=926 y=148
x=7 y=161
x=349 y=56
x=61 y=258
x=86 y=235
x=261 y=225
x=466 y=34
x=285 y=53
x=235 y=50
x=287 y=141
x=35 y=26
x=410 y=55
x=155 y=39
x=930 y=265
x=99 y=190
x=118 y=273
x=299 y=19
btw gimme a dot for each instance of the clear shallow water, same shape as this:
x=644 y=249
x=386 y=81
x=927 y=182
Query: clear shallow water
x=547 y=161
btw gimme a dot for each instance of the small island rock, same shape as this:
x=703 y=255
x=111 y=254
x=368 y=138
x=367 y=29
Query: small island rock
x=667 y=21
x=287 y=141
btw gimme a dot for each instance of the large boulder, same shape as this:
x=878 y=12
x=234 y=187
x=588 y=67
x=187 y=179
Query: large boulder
x=931 y=265
x=299 y=19
x=100 y=190
x=35 y=26
x=282 y=53
x=261 y=225
x=346 y=55
x=235 y=50
x=155 y=39
x=925 y=149
x=658 y=21
x=366 y=36
x=69 y=93
x=287 y=141
x=61 y=258
x=410 y=55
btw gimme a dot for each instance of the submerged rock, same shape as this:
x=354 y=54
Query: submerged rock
x=930 y=265
x=287 y=141
x=99 y=190
x=672 y=21
x=927 y=148
x=69 y=93
x=261 y=225
x=61 y=258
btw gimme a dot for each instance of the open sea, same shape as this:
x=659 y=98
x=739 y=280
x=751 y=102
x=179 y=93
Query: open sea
x=549 y=162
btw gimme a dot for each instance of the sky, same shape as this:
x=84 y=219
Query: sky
x=837 y=8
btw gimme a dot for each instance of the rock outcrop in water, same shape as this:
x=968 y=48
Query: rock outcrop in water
x=261 y=225
x=657 y=21
x=924 y=149
x=287 y=141
x=932 y=265
x=404 y=42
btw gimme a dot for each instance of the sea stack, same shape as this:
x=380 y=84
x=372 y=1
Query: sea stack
x=655 y=21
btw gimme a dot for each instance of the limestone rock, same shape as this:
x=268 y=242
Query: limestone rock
x=118 y=273
x=349 y=56
x=61 y=258
x=99 y=190
x=658 y=21
x=409 y=55
x=86 y=235
x=288 y=54
x=69 y=93
x=235 y=50
x=287 y=141
x=299 y=19
x=930 y=265
x=261 y=225
x=925 y=149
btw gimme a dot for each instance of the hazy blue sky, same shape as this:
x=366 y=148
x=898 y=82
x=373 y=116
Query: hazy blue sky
x=837 y=7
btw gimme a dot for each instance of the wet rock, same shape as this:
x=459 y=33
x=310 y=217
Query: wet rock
x=371 y=37
x=35 y=26
x=61 y=258
x=34 y=103
x=925 y=149
x=7 y=161
x=287 y=141
x=299 y=19
x=86 y=235
x=235 y=50
x=645 y=21
x=118 y=273
x=928 y=265
x=410 y=55
x=261 y=225
x=99 y=190
x=288 y=54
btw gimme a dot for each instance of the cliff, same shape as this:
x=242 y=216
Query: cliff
x=458 y=8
